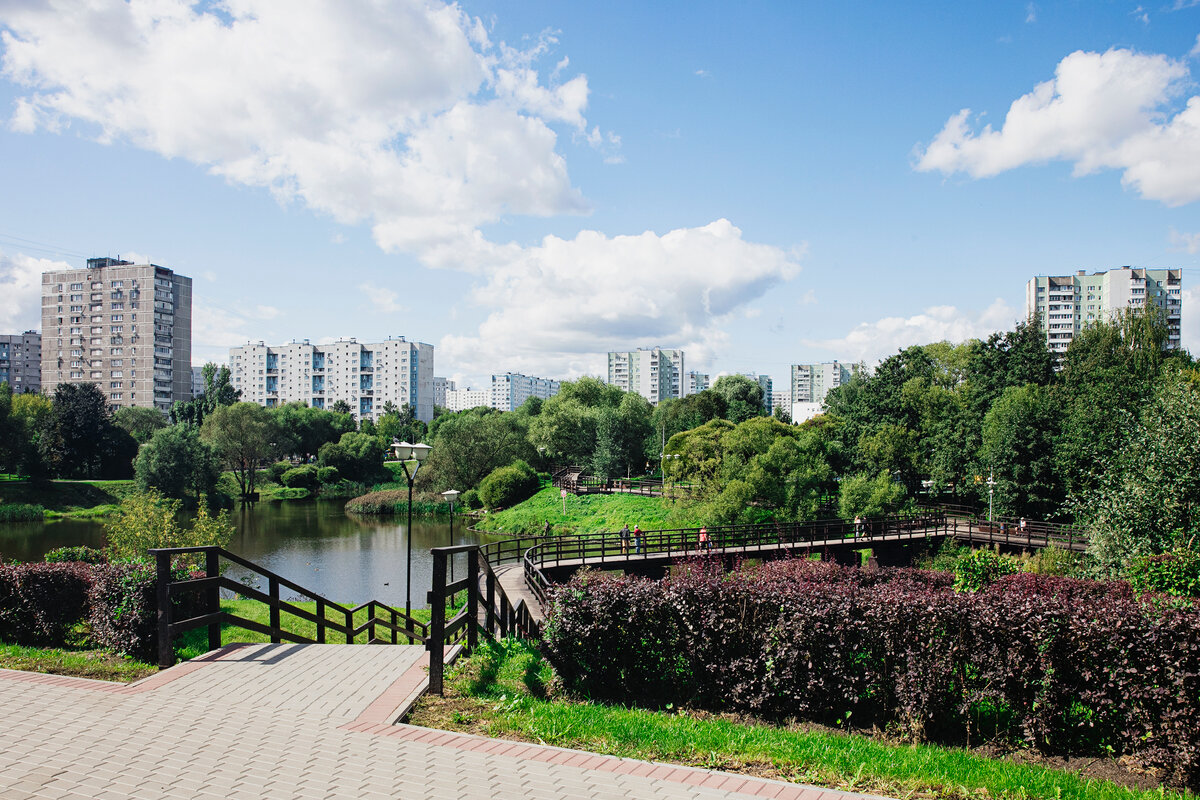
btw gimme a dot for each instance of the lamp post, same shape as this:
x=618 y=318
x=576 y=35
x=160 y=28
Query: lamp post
x=451 y=495
x=409 y=452
x=991 y=483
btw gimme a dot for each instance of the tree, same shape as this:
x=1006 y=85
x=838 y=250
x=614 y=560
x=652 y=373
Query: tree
x=139 y=422
x=340 y=407
x=743 y=397
x=12 y=433
x=401 y=424
x=178 y=463
x=470 y=444
x=356 y=456
x=864 y=495
x=218 y=392
x=621 y=437
x=31 y=416
x=148 y=520
x=79 y=440
x=244 y=434
x=1018 y=448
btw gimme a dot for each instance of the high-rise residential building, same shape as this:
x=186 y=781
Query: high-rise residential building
x=440 y=386
x=365 y=376
x=462 y=399
x=512 y=389
x=197 y=381
x=1066 y=304
x=21 y=361
x=811 y=382
x=653 y=372
x=125 y=327
x=695 y=382
x=781 y=399
x=767 y=385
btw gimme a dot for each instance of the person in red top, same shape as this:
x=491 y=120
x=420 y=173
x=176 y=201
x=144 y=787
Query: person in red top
x=637 y=539
x=705 y=544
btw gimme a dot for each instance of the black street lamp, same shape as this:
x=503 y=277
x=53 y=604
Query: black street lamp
x=409 y=452
x=451 y=495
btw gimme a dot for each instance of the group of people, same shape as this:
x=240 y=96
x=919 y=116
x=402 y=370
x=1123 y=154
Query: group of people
x=703 y=541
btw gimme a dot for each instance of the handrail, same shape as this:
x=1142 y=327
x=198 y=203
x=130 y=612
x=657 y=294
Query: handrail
x=211 y=616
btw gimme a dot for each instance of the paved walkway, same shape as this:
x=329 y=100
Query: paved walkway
x=256 y=722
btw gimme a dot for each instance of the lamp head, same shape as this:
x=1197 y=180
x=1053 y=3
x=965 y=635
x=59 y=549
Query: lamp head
x=420 y=451
x=403 y=450
x=451 y=494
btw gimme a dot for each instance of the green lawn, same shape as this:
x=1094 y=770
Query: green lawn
x=588 y=514
x=498 y=692
x=80 y=662
x=68 y=498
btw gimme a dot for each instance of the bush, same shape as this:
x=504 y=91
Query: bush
x=148 y=520
x=507 y=486
x=470 y=499
x=327 y=475
x=980 y=568
x=21 y=512
x=123 y=607
x=394 y=501
x=1068 y=666
x=81 y=554
x=1176 y=573
x=40 y=602
x=304 y=477
x=357 y=457
x=276 y=471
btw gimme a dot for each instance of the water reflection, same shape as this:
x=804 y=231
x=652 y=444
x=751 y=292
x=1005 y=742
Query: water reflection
x=345 y=558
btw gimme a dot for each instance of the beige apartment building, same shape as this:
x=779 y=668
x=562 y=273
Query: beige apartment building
x=125 y=327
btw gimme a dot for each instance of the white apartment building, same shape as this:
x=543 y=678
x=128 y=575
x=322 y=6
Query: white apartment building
x=695 y=382
x=440 y=386
x=365 y=376
x=1068 y=303
x=781 y=400
x=512 y=389
x=811 y=382
x=125 y=327
x=462 y=399
x=767 y=385
x=654 y=373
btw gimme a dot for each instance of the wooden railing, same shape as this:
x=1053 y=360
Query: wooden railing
x=394 y=622
x=575 y=480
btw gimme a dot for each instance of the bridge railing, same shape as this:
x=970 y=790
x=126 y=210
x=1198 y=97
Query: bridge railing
x=393 y=621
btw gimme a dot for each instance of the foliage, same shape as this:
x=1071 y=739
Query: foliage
x=139 y=422
x=123 y=609
x=470 y=499
x=356 y=457
x=394 y=501
x=177 y=463
x=276 y=470
x=1077 y=667
x=79 y=439
x=1176 y=573
x=743 y=397
x=148 y=520
x=306 y=476
x=507 y=486
x=218 y=393
x=589 y=514
x=308 y=428
x=327 y=474
x=21 y=512
x=39 y=602
x=1018 y=448
x=864 y=495
x=981 y=568
x=470 y=444
x=401 y=425
x=81 y=554
x=244 y=434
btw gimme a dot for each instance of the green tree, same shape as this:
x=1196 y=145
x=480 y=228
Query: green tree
x=245 y=434
x=178 y=464
x=139 y=422
x=864 y=495
x=356 y=456
x=148 y=520
x=1018 y=448
x=470 y=444
x=340 y=407
x=218 y=392
x=79 y=440
x=743 y=397
x=31 y=415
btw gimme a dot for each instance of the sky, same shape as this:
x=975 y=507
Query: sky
x=528 y=186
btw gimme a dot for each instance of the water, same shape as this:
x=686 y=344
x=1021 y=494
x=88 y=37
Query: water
x=345 y=558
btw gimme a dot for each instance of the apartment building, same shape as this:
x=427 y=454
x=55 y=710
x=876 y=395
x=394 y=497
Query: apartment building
x=695 y=382
x=811 y=382
x=462 y=399
x=125 y=327
x=767 y=385
x=781 y=400
x=365 y=376
x=512 y=389
x=1066 y=304
x=21 y=361
x=654 y=373
x=440 y=387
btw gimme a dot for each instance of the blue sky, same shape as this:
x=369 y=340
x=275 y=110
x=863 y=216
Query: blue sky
x=530 y=185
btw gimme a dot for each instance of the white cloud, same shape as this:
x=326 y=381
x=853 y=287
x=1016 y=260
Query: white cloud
x=401 y=114
x=703 y=73
x=21 y=291
x=1112 y=110
x=266 y=312
x=558 y=307
x=384 y=300
x=215 y=330
x=1030 y=13
x=1185 y=242
x=871 y=342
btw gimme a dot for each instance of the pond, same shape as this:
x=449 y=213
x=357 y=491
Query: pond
x=343 y=557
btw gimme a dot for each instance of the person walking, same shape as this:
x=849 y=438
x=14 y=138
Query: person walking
x=625 y=540
x=704 y=542
x=637 y=539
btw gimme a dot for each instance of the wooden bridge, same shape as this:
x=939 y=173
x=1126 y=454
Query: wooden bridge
x=575 y=480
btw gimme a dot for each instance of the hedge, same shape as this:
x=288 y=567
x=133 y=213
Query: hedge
x=507 y=486
x=123 y=607
x=1070 y=667
x=40 y=602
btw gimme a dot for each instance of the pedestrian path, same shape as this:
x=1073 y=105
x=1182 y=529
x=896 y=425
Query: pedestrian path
x=258 y=722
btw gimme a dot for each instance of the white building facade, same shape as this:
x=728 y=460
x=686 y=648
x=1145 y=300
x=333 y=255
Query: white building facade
x=125 y=327
x=811 y=382
x=365 y=376
x=462 y=399
x=512 y=389
x=695 y=382
x=21 y=362
x=1068 y=303
x=654 y=373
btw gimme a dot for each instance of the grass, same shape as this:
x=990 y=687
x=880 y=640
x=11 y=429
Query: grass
x=82 y=499
x=79 y=662
x=589 y=513
x=499 y=692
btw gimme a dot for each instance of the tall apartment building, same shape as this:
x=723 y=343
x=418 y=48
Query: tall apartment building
x=462 y=399
x=767 y=385
x=125 y=327
x=440 y=387
x=654 y=373
x=781 y=400
x=695 y=382
x=365 y=376
x=21 y=361
x=512 y=389
x=811 y=382
x=1068 y=303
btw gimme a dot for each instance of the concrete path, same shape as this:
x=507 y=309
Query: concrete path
x=257 y=722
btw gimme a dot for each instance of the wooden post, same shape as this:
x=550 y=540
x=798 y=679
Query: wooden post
x=320 y=621
x=349 y=626
x=472 y=600
x=437 y=622
x=212 y=569
x=166 y=653
x=273 y=583
x=490 y=610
